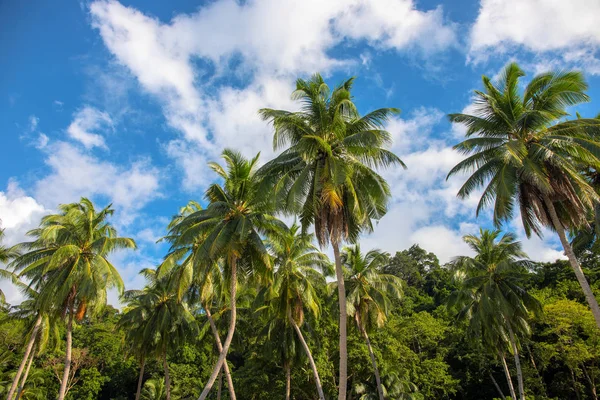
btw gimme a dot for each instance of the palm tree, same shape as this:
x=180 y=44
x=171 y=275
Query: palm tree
x=67 y=262
x=523 y=154
x=368 y=294
x=158 y=322
x=325 y=174
x=39 y=334
x=294 y=290
x=191 y=280
x=134 y=323
x=491 y=296
x=230 y=230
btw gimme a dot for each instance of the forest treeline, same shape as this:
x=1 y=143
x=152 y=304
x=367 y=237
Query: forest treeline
x=245 y=306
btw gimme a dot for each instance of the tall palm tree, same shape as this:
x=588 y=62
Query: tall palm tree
x=190 y=280
x=67 y=263
x=491 y=295
x=158 y=322
x=231 y=229
x=326 y=174
x=521 y=152
x=134 y=324
x=368 y=294
x=293 y=291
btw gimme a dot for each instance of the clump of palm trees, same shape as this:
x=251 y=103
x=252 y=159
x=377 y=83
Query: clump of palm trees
x=519 y=148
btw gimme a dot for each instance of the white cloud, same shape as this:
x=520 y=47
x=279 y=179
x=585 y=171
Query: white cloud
x=230 y=37
x=75 y=174
x=87 y=122
x=42 y=141
x=406 y=132
x=444 y=242
x=566 y=33
x=396 y=24
x=33 y=123
x=18 y=213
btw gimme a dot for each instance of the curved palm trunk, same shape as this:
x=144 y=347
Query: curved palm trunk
x=221 y=360
x=585 y=286
x=511 y=388
x=69 y=340
x=497 y=387
x=215 y=332
x=15 y=383
x=140 y=379
x=167 y=378
x=25 y=375
x=288 y=380
x=372 y=355
x=310 y=358
x=339 y=273
x=515 y=350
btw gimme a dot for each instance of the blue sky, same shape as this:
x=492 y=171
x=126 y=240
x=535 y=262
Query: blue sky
x=126 y=102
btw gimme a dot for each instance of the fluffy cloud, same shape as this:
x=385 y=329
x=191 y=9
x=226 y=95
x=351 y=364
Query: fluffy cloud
x=568 y=30
x=183 y=62
x=18 y=213
x=86 y=122
x=75 y=173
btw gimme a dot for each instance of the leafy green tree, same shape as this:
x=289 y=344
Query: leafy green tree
x=231 y=226
x=67 y=262
x=293 y=291
x=368 y=291
x=325 y=174
x=492 y=296
x=521 y=152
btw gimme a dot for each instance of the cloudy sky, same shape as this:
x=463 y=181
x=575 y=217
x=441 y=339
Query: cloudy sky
x=125 y=102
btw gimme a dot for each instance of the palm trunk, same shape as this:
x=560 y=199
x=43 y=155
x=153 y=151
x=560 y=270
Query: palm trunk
x=25 y=375
x=374 y=362
x=288 y=380
x=497 y=387
x=167 y=378
x=513 y=344
x=339 y=273
x=140 y=379
x=220 y=388
x=587 y=291
x=511 y=388
x=30 y=343
x=310 y=358
x=221 y=360
x=215 y=332
x=371 y=354
x=69 y=340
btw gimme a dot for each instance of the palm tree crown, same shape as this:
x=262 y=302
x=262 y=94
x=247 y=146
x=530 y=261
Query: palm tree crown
x=325 y=173
x=522 y=152
x=369 y=289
